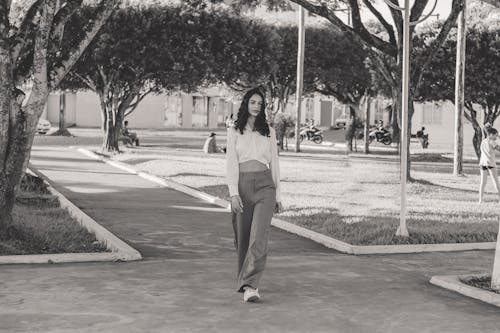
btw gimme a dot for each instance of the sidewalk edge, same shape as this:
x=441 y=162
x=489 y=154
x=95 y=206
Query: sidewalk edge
x=121 y=251
x=453 y=283
x=59 y=258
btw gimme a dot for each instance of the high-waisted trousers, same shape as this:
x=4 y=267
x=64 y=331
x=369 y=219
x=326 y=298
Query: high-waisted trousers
x=251 y=228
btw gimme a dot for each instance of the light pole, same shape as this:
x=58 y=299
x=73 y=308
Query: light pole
x=300 y=75
x=403 y=230
x=458 y=151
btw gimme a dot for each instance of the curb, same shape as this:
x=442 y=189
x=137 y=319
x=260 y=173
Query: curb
x=324 y=240
x=120 y=250
x=453 y=283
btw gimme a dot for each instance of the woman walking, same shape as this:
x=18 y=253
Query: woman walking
x=487 y=162
x=253 y=179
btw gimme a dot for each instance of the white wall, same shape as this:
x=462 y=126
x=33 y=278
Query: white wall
x=88 y=109
x=150 y=113
x=441 y=129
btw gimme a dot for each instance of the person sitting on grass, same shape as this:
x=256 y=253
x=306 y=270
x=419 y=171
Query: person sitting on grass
x=129 y=138
x=210 y=146
x=487 y=162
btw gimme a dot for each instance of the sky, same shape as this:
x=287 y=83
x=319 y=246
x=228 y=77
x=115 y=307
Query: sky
x=443 y=9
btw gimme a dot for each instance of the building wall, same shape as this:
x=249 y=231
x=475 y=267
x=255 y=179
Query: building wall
x=150 y=113
x=188 y=111
x=88 y=109
x=439 y=121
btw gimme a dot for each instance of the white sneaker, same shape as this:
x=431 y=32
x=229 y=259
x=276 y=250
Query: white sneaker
x=251 y=295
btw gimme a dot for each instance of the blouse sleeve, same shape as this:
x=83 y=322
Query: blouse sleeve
x=232 y=166
x=275 y=165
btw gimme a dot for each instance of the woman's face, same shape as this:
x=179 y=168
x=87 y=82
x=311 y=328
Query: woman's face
x=255 y=105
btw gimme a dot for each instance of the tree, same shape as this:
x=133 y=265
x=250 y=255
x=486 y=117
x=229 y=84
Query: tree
x=140 y=50
x=242 y=51
x=385 y=49
x=32 y=63
x=335 y=66
x=482 y=83
x=281 y=82
x=143 y=50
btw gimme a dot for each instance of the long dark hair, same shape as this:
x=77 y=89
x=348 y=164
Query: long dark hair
x=261 y=125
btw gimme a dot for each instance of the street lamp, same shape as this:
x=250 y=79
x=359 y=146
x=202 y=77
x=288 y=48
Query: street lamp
x=403 y=230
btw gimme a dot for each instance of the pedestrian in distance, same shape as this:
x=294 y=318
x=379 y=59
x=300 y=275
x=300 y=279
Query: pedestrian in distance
x=487 y=161
x=210 y=145
x=253 y=178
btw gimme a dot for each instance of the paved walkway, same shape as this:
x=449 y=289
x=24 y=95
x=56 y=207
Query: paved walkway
x=186 y=281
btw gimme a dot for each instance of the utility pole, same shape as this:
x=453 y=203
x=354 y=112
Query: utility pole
x=403 y=230
x=459 y=94
x=300 y=75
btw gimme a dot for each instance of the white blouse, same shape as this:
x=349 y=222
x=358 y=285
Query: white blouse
x=251 y=145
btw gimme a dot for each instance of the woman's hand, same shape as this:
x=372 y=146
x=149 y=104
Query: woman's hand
x=278 y=208
x=236 y=204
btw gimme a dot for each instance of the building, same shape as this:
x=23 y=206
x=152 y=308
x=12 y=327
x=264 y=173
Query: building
x=209 y=111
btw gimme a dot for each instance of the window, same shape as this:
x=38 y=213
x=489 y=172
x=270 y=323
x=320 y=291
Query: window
x=200 y=114
x=431 y=114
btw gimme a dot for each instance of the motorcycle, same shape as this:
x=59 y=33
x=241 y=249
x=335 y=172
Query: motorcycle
x=311 y=133
x=380 y=135
x=424 y=140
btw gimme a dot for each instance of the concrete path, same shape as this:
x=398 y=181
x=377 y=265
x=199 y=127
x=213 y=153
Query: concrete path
x=186 y=281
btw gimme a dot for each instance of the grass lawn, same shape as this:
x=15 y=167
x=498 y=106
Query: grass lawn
x=45 y=226
x=353 y=200
x=483 y=282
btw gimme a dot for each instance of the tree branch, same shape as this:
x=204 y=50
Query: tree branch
x=397 y=17
x=87 y=81
x=19 y=37
x=103 y=11
x=134 y=105
x=382 y=20
x=62 y=17
x=4 y=21
x=40 y=85
x=362 y=36
x=457 y=7
x=416 y=12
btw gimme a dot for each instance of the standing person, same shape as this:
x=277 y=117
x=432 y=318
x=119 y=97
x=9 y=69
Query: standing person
x=487 y=162
x=253 y=179
x=229 y=121
x=423 y=138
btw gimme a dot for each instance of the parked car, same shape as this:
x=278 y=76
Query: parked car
x=43 y=126
x=341 y=122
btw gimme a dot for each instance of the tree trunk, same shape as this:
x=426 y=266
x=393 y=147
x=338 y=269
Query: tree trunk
x=111 y=135
x=351 y=128
x=476 y=140
x=459 y=94
x=367 y=125
x=113 y=114
x=7 y=199
x=62 y=111
x=396 y=115
x=411 y=110
x=62 y=131
x=21 y=136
